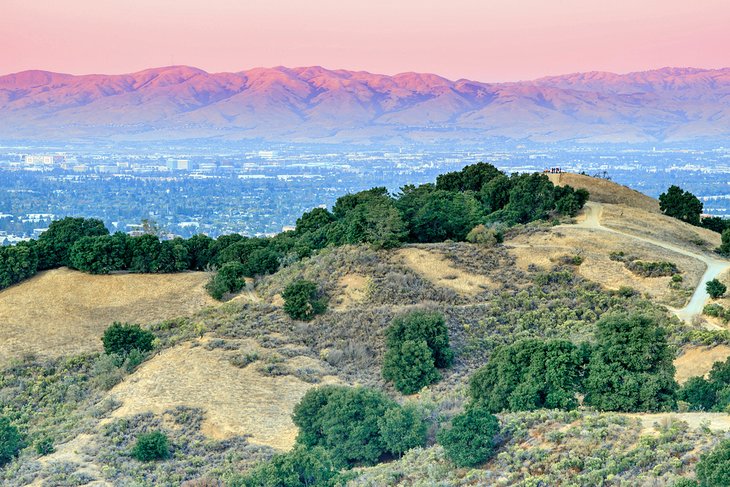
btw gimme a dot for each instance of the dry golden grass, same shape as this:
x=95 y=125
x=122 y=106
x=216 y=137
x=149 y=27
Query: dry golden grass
x=63 y=312
x=697 y=361
x=236 y=401
x=594 y=245
x=659 y=227
x=715 y=421
x=352 y=291
x=438 y=270
x=604 y=191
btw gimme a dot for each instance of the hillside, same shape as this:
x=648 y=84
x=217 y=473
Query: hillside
x=315 y=104
x=62 y=312
x=224 y=379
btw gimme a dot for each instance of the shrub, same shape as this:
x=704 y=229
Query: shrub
x=713 y=469
x=151 y=447
x=344 y=421
x=716 y=289
x=302 y=300
x=416 y=344
x=402 y=428
x=527 y=375
x=681 y=204
x=714 y=310
x=410 y=366
x=488 y=237
x=301 y=467
x=122 y=338
x=44 y=446
x=652 y=269
x=631 y=367
x=725 y=245
x=470 y=440
x=10 y=441
x=228 y=279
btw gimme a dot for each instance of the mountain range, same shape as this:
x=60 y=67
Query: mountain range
x=314 y=104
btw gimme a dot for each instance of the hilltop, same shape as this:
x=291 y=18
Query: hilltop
x=314 y=104
x=225 y=377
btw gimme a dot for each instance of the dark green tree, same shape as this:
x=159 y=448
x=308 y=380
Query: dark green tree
x=17 y=263
x=470 y=441
x=402 y=428
x=100 y=255
x=262 y=262
x=699 y=393
x=173 y=256
x=122 y=338
x=716 y=289
x=344 y=421
x=302 y=300
x=151 y=447
x=531 y=198
x=228 y=279
x=55 y=243
x=681 y=204
x=410 y=366
x=725 y=245
x=423 y=325
x=471 y=178
x=631 y=367
x=528 y=375
x=198 y=247
x=145 y=253
x=495 y=194
x=713 y=469
x=314 y=220
x=10 y=441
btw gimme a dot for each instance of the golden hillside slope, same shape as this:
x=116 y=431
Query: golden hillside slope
x=62 y=312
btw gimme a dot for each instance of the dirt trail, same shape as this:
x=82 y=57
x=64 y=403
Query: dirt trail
x=715 y=266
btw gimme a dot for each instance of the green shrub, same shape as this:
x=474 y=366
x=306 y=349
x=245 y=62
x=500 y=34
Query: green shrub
x=714 y=310
x=416 y=344
x=10 y=441
x=344 y=421
x=725 y=246
x=122 y=338
x=652 y=269
x=402 y=428
x=631 y=367
x=302 y=300
x=699 y=393
x=228 y=279
x=151 y=447
x=716 y=289
x=488 y=237
x=713 y=469
x=528 y=375
x=44 y=446
x=470 y=441
x=410 y=366
x=301 y=467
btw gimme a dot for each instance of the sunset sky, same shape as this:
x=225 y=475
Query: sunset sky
x=486 y=40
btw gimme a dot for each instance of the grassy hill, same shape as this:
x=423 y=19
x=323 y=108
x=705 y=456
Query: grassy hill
x=224 y=379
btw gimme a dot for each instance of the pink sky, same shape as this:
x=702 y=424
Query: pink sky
x=487 y=40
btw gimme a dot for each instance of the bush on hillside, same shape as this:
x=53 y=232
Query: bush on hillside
x=151 y=447
x=716 y=289
x=123 y=338
x=711 y=394
x=228 y=279
x=713 y=469
x=725 y=245
x=631 y=366
x=54 y=245
x=402 y=429
x=488 y=237
x=344 y=421
x=302 y=300
x=417 y=343
x=10 y=441
x=300 y=467
x=18 y=263
x=470 y=441
x=528 y=375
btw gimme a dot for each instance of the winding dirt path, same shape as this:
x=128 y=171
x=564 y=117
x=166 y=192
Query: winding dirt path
x=715 y=266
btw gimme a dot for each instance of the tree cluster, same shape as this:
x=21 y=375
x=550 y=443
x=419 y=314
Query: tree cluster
x=357 y=426
x=417 y=344
x=629 y=368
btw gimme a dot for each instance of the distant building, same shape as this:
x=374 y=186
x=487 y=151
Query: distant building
x=178 y=164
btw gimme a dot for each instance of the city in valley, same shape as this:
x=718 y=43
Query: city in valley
x=262 y=190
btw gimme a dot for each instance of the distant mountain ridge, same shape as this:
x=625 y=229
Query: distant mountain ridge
x=314 y=104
